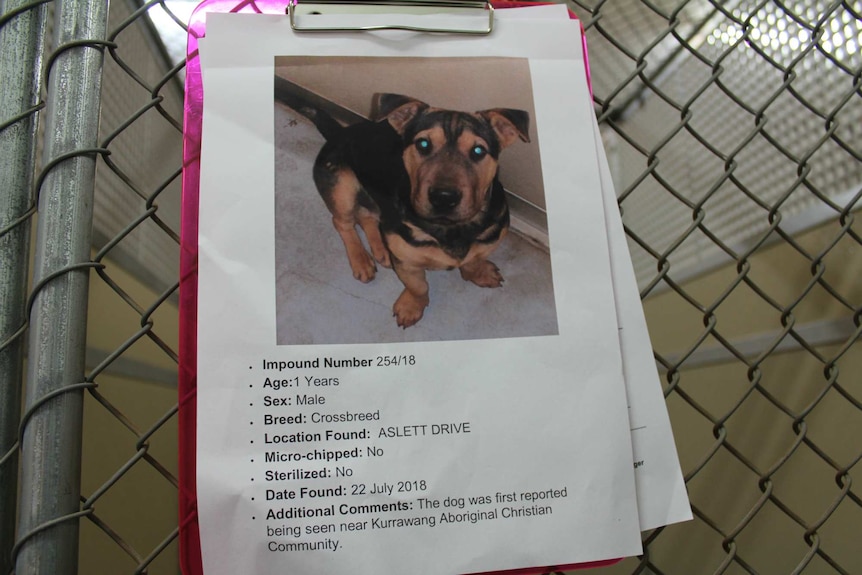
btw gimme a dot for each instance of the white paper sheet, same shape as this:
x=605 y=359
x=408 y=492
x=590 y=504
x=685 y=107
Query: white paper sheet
x=662 y=495
x=523 y=439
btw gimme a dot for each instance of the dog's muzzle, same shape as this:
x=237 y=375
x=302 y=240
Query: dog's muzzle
x=444 y=200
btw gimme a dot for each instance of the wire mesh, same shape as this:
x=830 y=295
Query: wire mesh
x=139 y=161
x=729 y=121
x=731 y=128
x=20 y=43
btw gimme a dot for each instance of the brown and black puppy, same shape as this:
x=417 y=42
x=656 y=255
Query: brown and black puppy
x=422 y=184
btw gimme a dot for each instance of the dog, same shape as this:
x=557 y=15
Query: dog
x=422 y=184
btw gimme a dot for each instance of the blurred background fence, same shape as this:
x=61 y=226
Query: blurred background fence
x=734 y=133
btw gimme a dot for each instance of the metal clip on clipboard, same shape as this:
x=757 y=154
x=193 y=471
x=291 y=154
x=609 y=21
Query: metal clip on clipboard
x=310 y=8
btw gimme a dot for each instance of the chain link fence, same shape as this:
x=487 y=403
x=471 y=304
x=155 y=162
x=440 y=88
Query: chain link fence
x=734 y=133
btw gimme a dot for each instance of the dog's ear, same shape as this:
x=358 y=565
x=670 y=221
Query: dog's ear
x=398 y=110
x=509 y=125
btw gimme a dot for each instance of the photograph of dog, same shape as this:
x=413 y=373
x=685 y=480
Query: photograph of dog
x=410 y=186
x=422 y=184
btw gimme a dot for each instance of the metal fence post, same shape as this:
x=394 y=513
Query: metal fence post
x=49 y=504
x=22 y=32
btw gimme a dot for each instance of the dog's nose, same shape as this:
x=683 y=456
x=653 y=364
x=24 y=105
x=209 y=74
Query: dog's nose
x=444 y=199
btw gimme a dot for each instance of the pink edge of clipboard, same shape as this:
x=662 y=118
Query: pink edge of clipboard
x=189 y=534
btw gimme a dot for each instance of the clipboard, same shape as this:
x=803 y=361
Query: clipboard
x=189 y=534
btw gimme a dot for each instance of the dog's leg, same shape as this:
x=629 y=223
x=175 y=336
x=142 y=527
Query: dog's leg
x=482 y=272
x=360 y=261
x=371 y=226
x=411 y=304
x=340 y=189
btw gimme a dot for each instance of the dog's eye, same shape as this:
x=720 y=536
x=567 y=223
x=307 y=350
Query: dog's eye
x=477 y=153
x=423 y=145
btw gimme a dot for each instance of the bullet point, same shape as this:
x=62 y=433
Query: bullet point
x=249 y=367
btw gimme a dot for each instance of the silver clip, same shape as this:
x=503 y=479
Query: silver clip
x=406 y=6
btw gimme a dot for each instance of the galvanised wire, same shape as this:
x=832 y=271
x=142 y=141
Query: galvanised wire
x=644 y=63
x=21 y=38
x=35 y=547
x=50 y=437
x=742 y=14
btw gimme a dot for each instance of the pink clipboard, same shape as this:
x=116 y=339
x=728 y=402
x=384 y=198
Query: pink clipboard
x=189 y=534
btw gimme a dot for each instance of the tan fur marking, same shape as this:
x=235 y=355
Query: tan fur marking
x=402 y=115
x=483 y=273
x=506 y=131
x=410 y=305
x=485 y=169
x=371 y=226
x=428 y=257
x=434 y=258
x=342 y=203
x=419 y=234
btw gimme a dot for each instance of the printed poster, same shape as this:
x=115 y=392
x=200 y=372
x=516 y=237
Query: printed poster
x=486 y=430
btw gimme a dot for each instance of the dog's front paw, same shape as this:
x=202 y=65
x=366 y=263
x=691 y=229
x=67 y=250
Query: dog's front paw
x=384 y=259
x=378 y=248
x=408 y=309
x=483 y=273
x=363 y=267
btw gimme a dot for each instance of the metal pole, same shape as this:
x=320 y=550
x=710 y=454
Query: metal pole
x=21 y=41
x=51 y=448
